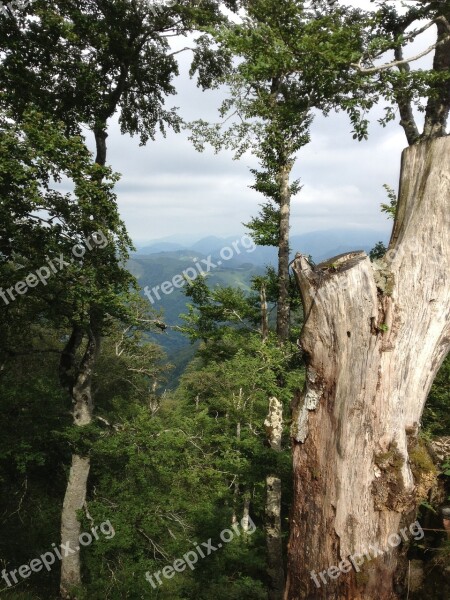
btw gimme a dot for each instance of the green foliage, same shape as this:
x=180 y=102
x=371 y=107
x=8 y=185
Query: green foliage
x=378 y=251
x=391 y=208
x=229 y=383
x=215 y=310
x=83 y=62
x=436 y=416
x=446 y=468
x=39 y=223
x=32 y=460
x=152 y=511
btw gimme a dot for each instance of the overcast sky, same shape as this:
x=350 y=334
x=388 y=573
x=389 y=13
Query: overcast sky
x=168 y=189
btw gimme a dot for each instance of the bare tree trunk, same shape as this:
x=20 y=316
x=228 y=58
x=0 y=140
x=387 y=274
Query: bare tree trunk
x=100 y=144
x=404 y=102
x=283 y=311
x=245 y=522
x=274 y=542
x=375 y=336
x=438 y=105
x=79 y=385
x=70 y=526
x=264 y=314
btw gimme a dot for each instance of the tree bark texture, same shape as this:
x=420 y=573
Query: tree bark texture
x=375 y=335
x=70 y=526
x=274 y=542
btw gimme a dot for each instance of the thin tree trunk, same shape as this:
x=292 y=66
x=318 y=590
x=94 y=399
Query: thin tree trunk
x=75 y=497
x=274 y=542
x=283 y=312
x=245 y=522
x=404 y=102
x=438 y=105
x=70 y=526
x=100 y=143
x=264 y=314
x=375 y=336
x=237 y=492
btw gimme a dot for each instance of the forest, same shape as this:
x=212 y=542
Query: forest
x=295 y=444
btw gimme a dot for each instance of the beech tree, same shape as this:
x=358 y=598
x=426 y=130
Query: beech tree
x=72 y=248
x=81 y=62
x=270 y=117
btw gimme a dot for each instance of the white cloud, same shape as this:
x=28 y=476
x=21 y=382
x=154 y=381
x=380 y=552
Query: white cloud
x=168 y=188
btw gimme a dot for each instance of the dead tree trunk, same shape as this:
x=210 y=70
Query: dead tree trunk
x=375 y=336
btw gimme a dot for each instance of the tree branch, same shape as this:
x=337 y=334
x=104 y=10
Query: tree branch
x=397 y=63
x=412 y=36
x=182 y=50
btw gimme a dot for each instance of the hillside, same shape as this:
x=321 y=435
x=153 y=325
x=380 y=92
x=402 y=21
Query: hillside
x=155 y=269
x=160 y=261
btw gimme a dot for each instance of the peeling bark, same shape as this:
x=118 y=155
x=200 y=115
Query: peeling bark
x=375 y=336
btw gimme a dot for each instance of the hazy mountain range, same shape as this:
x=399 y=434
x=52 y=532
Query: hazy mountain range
x=320 y=244
x=157 y=262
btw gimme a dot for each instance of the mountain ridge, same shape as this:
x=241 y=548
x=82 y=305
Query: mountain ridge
x=320 y=244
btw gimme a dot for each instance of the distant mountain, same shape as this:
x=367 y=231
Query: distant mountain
x=157 y=272
x=320 y=244
x=211 y=244
x=230 y=261
x=158 y=247
x=325 y=244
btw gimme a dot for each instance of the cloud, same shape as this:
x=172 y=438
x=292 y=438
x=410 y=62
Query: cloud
x=168 y=188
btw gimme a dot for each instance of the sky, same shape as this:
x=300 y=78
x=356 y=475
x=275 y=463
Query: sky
x=168 y=189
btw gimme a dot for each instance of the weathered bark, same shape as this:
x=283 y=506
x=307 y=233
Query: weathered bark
x=274 y=542
x=78 y=380
x=283 y=309
x=375 y=336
